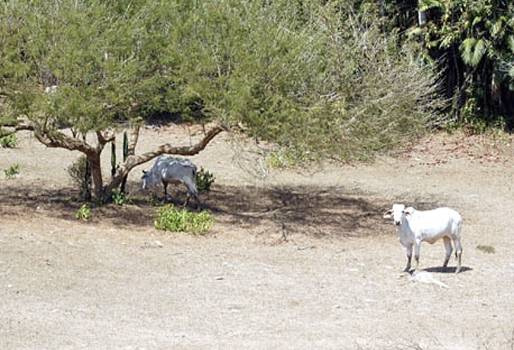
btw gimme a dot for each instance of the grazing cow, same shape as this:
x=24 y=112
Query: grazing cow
x=172 y=170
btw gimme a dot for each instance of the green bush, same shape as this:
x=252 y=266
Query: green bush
x=172 y=219
x=204 y=180
x=9 y=141
x=119 y=198
x=12 y=171
x=84 y=213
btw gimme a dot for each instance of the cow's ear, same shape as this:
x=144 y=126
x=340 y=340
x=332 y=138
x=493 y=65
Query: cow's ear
x=388 y=214
x=409 y=210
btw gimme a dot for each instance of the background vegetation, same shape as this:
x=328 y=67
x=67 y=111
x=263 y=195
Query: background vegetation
x=472 y=44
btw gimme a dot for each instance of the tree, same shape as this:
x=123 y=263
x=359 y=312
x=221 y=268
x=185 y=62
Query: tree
x=311 y=77
x=86 y=66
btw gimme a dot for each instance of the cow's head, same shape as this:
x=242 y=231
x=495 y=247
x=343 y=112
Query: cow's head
x=147 y=180
x=398 y=213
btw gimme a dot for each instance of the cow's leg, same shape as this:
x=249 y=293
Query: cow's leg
x=458 y=253
x=165 y=185
x=408 y=253
x=417 y=247
x=449 y=249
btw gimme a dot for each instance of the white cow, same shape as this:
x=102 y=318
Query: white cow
x=416 y=226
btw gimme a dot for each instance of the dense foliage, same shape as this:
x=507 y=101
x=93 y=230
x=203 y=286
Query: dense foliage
x=317 y=78
x=472 y=41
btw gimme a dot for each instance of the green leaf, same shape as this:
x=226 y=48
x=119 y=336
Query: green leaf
x=472 y=51
x=476 y=20
x=478 y=53
x=425 y=5
x=497 y=28
x=466 y=49
x=446 y=41
x=414 y=31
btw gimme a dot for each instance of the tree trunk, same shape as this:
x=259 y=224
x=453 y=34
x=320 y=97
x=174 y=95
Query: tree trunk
x=126 y=153
x=113 y=157
x=96 y=172
x=85 y=191
x=422 y=16
x=86 y=185
x=487 y=77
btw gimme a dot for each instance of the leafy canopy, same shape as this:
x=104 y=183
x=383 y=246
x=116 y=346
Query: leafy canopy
x=311 y=77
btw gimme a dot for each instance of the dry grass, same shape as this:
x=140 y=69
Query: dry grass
x=486 y=249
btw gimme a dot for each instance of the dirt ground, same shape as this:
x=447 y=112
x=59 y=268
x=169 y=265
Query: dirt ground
x=295 y=260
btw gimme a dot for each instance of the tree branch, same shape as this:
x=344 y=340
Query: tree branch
x=16 y=126
x=133 y=161
x=104 y=137
x=57 y=139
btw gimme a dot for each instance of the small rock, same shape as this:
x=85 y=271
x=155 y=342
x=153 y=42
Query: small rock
x=154 y=244
x=427 y=277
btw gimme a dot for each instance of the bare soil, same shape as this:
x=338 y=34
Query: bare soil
x=296 y=260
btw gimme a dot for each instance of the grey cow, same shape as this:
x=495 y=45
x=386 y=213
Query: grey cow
x=172 y=170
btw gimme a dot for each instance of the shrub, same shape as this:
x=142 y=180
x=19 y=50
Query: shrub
x=9 y=141
x=172 y=219
x=204 y=180
x=119 y=197
x=81 y=177
x=12 y=171
x=77 y=171
x=84 y=213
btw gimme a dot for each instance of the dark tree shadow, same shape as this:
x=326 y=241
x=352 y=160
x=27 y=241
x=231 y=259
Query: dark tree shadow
x=30 y=200
x=310 y=210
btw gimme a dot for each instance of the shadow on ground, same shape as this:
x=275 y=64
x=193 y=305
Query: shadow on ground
x=310 y=210
x=447 y=269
